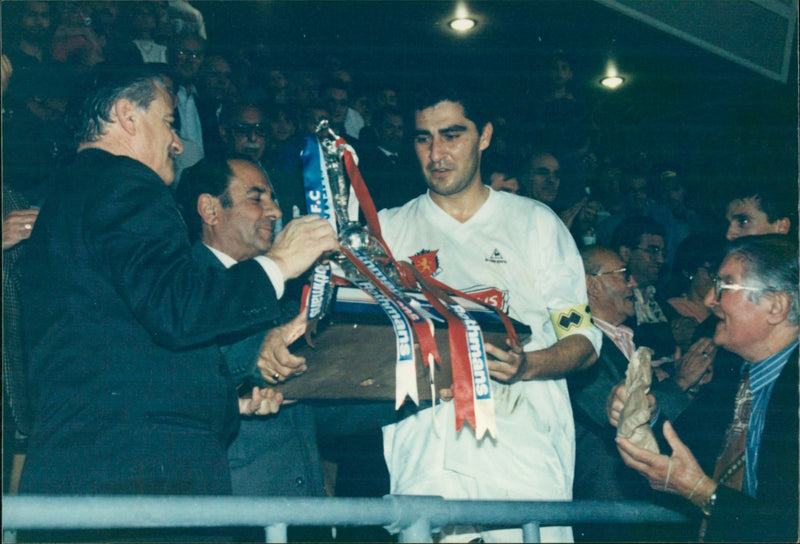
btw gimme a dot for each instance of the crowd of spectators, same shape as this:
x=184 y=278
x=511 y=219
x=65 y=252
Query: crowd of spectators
x=626 y=211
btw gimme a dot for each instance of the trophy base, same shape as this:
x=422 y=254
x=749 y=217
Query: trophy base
x=354 y=357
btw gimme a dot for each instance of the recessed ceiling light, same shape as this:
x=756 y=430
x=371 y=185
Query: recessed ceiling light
x=612 y=82
x=462 y=24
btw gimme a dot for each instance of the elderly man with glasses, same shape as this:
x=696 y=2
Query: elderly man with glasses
x=598 y=467
x=750 y=492
x=610 y=290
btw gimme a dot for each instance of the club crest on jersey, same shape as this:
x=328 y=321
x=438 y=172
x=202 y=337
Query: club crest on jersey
x=496 y=257
x=426 y=261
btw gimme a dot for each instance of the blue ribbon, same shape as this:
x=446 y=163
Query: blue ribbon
x=315 y=182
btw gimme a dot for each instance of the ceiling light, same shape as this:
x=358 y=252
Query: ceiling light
x=612 y=82
x=463 y=24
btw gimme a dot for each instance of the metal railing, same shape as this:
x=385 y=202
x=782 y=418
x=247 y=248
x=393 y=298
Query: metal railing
x=413 y=517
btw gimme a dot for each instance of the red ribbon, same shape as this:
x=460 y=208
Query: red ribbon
x=427 y=344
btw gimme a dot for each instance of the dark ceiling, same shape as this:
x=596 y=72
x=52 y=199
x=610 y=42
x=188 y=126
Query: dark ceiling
x=678 y=95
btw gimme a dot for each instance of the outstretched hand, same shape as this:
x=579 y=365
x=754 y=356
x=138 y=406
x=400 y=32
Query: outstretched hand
x=679 y=473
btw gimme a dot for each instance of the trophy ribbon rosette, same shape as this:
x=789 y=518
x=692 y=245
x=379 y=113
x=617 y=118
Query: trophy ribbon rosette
x=364 y=261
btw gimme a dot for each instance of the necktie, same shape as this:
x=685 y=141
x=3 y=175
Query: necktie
x=730 y=463
x=729 y=470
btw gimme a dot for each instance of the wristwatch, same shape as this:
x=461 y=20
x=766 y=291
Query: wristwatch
x=708 y=506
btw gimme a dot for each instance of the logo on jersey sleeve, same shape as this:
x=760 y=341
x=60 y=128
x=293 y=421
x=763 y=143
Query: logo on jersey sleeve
x=571 y=319
x=426 y=261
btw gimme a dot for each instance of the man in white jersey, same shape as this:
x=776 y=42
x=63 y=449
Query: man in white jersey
x=514 y=253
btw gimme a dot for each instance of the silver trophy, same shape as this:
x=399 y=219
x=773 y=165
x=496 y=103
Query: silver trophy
x=352 y=235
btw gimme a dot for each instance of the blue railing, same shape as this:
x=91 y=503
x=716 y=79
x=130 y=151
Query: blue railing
x=414 y=518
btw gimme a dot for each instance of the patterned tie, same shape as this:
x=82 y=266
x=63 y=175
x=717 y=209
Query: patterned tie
x=730 y=463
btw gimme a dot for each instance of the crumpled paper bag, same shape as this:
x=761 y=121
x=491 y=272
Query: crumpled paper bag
x=634 y=420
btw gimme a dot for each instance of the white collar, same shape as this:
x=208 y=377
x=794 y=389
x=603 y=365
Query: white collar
x=226 y=260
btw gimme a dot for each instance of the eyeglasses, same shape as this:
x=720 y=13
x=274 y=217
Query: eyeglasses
x=719 y=287
x=544 y=172
x=246 y=129
x=193 y=54
x=653 y=251
x=623 y=271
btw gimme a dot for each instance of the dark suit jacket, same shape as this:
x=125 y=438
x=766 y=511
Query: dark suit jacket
x=390 y=183
x=600 y=473
x=128 y=385
x=599 y=470
x=773 y=515
x=275 y=455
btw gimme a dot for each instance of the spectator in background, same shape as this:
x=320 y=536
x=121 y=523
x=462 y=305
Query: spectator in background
x=244 y=129
x=277 y=87
x=139 y=22
x=763 y=209
x=543 y=184
x=183 y=17
x=215 y=88
x=27 y=31
x=560 y=119
x=186 y=54
x=74 y=41
x=344 y=121
x=606 y=188
x=581 y=219
x=105 y=15
x=636 y=201
x=386 y=96
x=362 y=108
x=283 y=143
x=390 y=173
x=695 y=261
x=544 y=178
x=639 y=241
x=334 y=94
x=304 y=89
x=215 y=81
x=34 y=131
x=674 y=194
x=502 y=172
x=310 y=116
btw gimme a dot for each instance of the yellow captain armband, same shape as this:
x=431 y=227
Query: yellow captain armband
x=569 y=320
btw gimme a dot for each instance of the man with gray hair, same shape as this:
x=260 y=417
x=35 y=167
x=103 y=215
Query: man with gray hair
x=129 y=389
x=752 y=491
